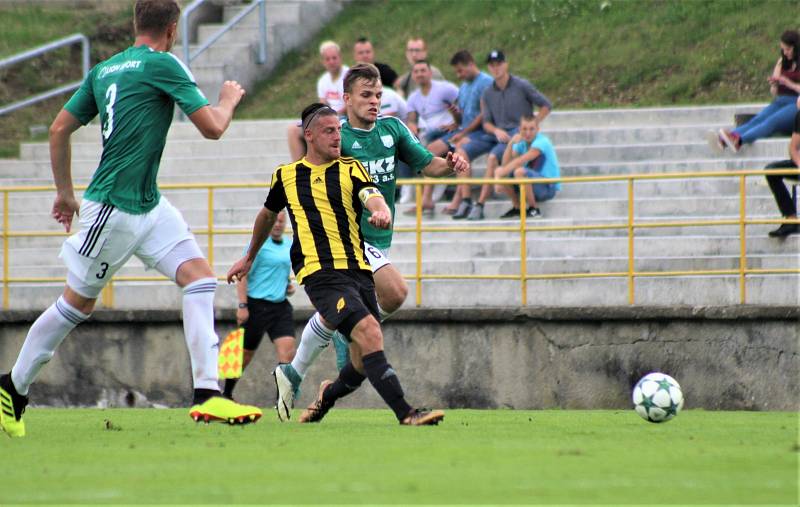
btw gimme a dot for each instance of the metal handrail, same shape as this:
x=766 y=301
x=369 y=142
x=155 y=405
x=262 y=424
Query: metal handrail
x=262 y=30
x=629 y=224
x=45 y=48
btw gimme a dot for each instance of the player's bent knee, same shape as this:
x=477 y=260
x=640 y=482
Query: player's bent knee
x=367 y=334
x=78 y=301
x=392 y=297
x=193 y=270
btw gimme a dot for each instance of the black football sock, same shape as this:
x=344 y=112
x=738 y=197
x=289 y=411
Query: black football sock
x=349 y=380
x=202 y=395
x=384 y=379
x=230 y=384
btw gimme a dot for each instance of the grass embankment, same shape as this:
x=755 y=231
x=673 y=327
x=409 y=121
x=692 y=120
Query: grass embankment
x=25 y=26
x=363 y=456
x=580 y=53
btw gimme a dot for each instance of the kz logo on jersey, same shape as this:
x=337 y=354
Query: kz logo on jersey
x=381 y=170
x=355 y=146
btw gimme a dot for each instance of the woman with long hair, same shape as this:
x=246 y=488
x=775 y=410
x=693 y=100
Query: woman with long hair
x=778 y=116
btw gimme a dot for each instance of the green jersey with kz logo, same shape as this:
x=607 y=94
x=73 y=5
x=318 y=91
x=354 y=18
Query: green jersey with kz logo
x=379 y=150
x=135 y=92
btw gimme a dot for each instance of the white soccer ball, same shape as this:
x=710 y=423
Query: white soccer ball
x=657 y=397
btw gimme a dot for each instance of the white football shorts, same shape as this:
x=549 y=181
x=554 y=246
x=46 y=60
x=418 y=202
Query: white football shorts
x=108 y=237
x=376 y=257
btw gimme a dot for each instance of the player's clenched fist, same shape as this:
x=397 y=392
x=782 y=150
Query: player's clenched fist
x=381 y=219
x=231 y=90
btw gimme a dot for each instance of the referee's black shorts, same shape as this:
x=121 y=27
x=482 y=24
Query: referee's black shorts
x=274 y=318
x=342 y=297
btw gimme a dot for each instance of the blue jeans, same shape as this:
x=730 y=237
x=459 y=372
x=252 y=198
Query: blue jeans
x=778 y=116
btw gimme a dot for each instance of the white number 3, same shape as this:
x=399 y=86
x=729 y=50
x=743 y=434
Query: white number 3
x=111 y=96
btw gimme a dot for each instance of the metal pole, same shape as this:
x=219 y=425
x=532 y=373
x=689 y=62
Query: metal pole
x=742 y=241
x=262 y=32
x=85 y=54
x=631 y=264
x=5 y=250
x=211 y=227
x=418 y=231
x=523 y=245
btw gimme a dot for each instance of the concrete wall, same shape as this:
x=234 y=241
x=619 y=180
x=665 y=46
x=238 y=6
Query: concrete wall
x=737 y=357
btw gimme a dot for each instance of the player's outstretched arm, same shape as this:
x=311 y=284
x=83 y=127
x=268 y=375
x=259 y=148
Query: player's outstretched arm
x=263 y=225
x=212 y=122
x=452 y=163
x=65 y=205
x=372 y=199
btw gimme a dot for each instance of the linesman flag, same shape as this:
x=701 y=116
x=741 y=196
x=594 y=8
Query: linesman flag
x=231 y=354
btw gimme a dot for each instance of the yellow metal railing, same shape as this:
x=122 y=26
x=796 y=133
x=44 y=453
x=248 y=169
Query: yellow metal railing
x=523 y=228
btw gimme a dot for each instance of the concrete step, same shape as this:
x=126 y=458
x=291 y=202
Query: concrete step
x=671 y=208
x=656 y=291
x=193 y=149
x=496 y=266
x=276 y=12
x=672 y=116
x=459 y=249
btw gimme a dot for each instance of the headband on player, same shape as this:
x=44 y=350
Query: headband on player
x=326 y=110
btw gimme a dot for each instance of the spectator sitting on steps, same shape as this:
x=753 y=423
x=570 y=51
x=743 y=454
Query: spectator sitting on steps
x=503 y=104
x=786 y=204
x=416 y=50
x=529 y=154
x=777 y=117
x=330 y=90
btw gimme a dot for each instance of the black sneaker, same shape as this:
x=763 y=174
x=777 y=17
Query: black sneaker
x=463 y=210
x=784 y=230
x=12 y=406
x=533 y=212
x=512 y=213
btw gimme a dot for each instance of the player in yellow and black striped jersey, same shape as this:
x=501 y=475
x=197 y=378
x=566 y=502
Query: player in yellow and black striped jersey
x=325 y=195
x=325 y=211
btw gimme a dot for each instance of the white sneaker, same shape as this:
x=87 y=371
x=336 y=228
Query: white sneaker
x=406 y=194
x=438 y=192
x=715 y=141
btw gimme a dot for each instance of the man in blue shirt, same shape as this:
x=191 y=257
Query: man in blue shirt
x=262 y=301
x=470 y=140
x=529 y=154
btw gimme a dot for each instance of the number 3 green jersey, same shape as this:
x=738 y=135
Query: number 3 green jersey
x=135 y=92
x=379 y=150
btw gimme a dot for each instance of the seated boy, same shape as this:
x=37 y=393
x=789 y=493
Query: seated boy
x=529 y=154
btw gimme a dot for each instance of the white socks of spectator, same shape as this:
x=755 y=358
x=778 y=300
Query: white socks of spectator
x=198 y=326
x=315 y=338
x=44 y=337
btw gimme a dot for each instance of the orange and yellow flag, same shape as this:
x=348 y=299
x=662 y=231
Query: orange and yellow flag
x=231 y=353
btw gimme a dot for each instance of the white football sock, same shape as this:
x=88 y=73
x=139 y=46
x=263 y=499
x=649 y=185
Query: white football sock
x=198 y=326
x=315 y=338
x=44 y=337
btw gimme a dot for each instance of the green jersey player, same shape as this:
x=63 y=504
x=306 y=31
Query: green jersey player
x=378 y=143
x=123 y=214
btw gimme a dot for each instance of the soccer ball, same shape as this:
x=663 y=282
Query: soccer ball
x=657 y=397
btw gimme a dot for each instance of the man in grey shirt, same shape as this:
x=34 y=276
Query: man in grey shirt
x=502 y=105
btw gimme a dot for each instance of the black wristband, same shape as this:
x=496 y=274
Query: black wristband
x=242 y=305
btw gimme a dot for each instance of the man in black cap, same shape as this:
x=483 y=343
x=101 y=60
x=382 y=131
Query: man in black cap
x=502 y=105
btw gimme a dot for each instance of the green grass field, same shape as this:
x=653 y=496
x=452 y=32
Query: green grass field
x=364 y=457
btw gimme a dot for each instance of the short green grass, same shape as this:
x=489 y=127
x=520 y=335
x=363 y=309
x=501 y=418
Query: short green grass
x=363 y=457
